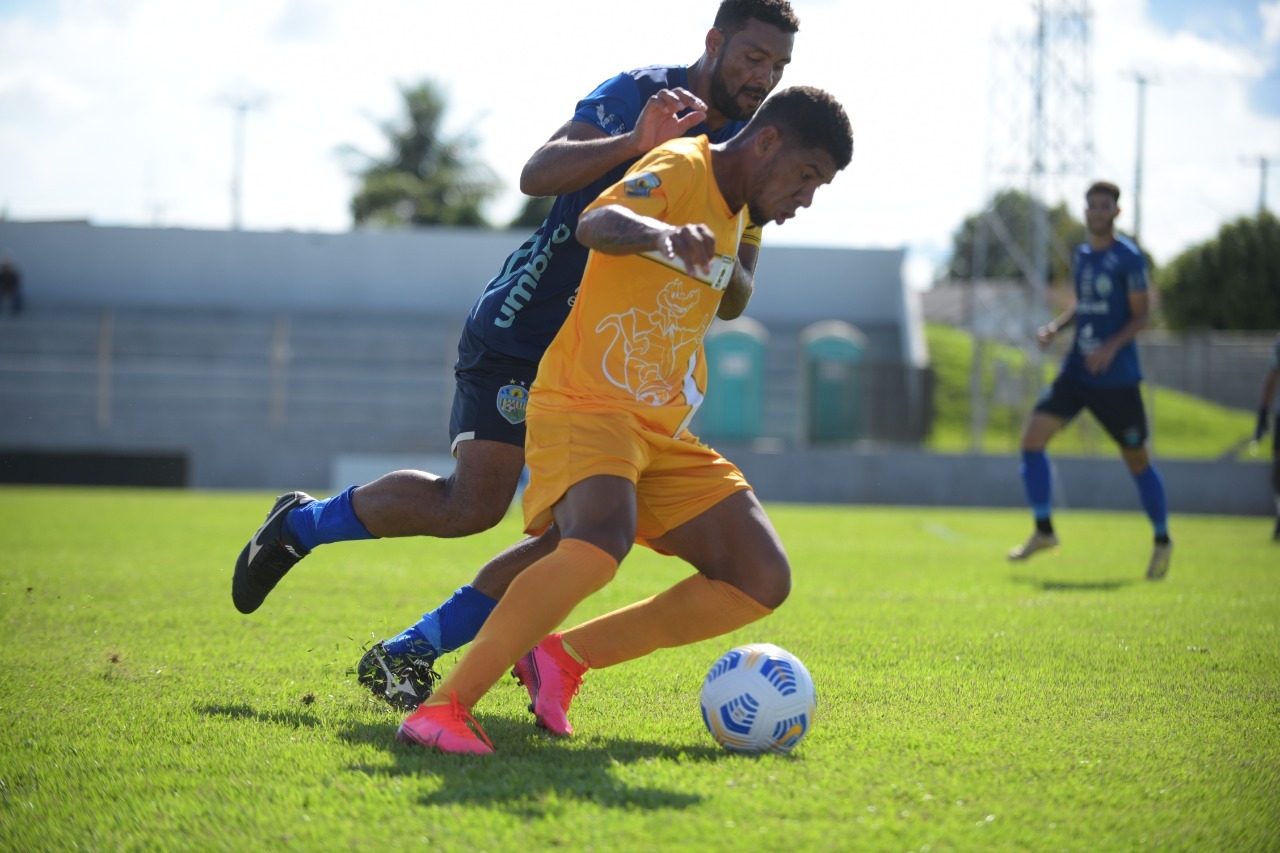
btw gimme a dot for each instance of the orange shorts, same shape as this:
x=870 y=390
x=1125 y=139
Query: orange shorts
x=676 y=479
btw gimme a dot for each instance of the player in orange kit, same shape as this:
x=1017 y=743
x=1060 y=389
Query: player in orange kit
x=610 y=457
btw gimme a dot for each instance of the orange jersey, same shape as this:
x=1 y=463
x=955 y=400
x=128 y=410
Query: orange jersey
x=634 y=338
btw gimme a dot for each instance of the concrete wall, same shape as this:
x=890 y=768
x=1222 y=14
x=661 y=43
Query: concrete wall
x=914 y=478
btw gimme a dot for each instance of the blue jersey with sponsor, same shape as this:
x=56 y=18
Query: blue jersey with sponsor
x=1104 y=280
x=524 y=306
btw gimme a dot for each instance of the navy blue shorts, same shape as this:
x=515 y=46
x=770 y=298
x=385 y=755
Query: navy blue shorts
x=1119 y=409
x=490 y=396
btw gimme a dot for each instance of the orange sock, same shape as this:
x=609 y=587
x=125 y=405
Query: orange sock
x=537 y=601
x=697 y=608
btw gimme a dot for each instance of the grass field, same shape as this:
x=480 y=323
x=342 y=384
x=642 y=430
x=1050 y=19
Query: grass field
x=963 y=703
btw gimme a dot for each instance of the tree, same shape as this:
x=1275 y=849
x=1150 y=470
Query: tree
x=534 y=212
x=1014 y=212
x=1229 y=282
x=427 y=178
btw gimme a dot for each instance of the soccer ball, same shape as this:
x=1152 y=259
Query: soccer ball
x=758 y=698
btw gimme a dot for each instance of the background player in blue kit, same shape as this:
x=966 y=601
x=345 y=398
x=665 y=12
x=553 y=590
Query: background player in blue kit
x=1264 y=423
x=1099 y=373
x=508 y=329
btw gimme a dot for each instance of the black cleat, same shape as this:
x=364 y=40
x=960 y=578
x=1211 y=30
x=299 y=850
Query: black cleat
x=404 y=681
x=268 y=557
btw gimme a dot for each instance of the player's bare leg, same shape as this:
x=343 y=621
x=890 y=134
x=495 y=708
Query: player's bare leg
x=735 y=542
x=1151 y=493
x=472 y=499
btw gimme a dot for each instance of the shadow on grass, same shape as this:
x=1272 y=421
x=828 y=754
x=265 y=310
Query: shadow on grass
x=532 y=772
x=1048 y=585
x=293 y=719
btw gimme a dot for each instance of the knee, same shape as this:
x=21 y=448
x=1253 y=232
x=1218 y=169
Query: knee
x=470 y=511
x=769 y=584
x=471 y=517
x=1136 y=460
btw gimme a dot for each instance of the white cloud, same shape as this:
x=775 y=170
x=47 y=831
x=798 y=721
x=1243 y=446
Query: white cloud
x=1270 y=15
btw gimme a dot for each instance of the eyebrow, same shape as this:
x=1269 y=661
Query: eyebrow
x=750 y=45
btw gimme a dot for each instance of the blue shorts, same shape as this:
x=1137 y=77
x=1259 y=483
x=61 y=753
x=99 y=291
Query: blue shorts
x=1118 y=409
x=490 y=396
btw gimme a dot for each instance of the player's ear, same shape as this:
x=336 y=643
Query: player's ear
x=767 y=141
x=713 y=42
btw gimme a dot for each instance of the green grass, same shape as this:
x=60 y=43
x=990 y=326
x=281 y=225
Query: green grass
x=963 y=703
x=1182 y=425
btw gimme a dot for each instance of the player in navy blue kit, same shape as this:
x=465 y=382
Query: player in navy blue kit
x=511 y=324
x=1264 y=423
x=1099 y=373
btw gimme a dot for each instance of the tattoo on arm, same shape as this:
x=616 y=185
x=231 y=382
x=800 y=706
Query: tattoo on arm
x=615 y=230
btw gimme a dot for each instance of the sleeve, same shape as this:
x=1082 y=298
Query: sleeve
x=652 y=186
x=613 y=107
x=1138 y=281
x=753 y=234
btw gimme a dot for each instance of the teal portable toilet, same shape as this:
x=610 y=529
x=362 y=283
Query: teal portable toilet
x=833 y=353
x=734 y=407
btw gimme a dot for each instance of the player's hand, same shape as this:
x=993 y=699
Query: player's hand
x=1099 y=360
x=694 y=245
x=1264 y=423
x=1045 y=335
x=660 y=119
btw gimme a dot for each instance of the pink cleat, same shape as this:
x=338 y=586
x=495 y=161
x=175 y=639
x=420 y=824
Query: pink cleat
x=552 y=678
x=445 y=727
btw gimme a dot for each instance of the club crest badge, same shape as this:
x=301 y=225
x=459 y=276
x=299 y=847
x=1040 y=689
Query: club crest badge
x=641 y=185
x=513 y=402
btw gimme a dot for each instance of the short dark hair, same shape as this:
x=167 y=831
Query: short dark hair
x=1104 y=187
x=810 y=117
x=733 y=15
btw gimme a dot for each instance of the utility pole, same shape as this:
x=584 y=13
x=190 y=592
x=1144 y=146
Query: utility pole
x=1141 y=80
x=1263 y=163
x=240 y=105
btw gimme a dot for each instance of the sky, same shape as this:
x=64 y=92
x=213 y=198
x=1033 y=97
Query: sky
x=120 y=111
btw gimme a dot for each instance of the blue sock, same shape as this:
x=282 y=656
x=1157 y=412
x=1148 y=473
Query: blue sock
x=1151 y=491
x=322 y=522
x=450 y=626
x=1037 y=482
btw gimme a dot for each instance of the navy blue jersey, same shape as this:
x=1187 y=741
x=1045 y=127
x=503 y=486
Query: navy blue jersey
x=1104 y=280
x=524 y=306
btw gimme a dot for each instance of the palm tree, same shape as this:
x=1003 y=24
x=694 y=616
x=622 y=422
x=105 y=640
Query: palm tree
x=427 y=178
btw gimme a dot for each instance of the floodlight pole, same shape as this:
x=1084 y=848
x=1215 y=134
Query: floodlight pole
x=240 y=106
x=1263 y=163
x=1137 y=165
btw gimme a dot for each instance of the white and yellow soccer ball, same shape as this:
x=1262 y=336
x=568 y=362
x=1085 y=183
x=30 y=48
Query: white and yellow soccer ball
x=758 y=698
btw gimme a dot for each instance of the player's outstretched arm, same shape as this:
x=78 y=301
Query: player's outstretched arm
x=617 y=230
x=1046 y=333
x=579 y=153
